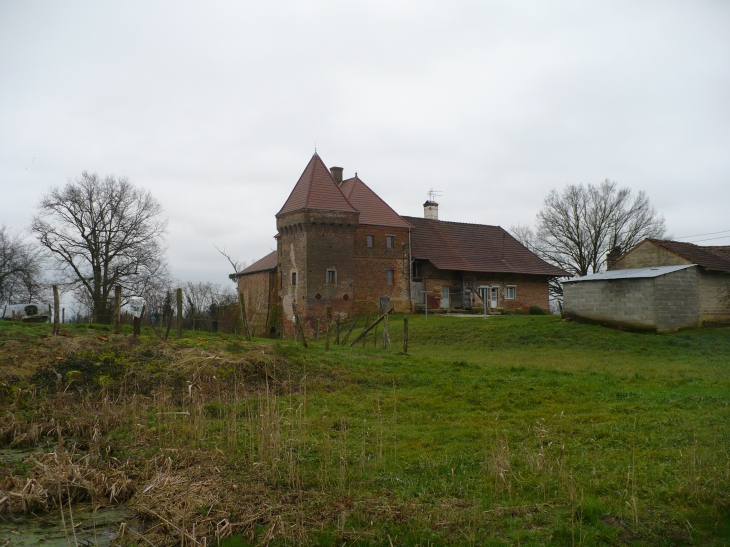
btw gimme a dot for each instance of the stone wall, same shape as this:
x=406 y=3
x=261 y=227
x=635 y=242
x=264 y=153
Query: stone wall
x=714 y=289
x=648 y=255
x=372 y=265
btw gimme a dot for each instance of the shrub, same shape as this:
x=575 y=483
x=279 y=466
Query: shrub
x=537 y=310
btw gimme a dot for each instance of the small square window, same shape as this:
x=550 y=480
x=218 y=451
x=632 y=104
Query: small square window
x=331 y=277
x=294 y=278
x=511 y=292
x=389 y=242
x=390 y=274
x=369 y=240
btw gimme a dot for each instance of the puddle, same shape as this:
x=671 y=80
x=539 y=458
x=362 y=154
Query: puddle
x=97 y=529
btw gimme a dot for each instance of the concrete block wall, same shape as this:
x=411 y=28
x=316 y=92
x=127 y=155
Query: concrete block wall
x=628 y=302
x=676 y=300
x=713 y=290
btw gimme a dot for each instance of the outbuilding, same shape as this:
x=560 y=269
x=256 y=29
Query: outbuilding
x=658 y=285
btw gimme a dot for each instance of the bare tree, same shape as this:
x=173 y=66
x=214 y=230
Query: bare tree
x=21 y=278
x=203 y=299
x=578 y=227
x=103 y=233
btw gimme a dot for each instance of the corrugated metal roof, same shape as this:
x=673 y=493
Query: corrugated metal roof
x=474 y=248
x=269 y=262
x=373 y=210
x=632 y=273
x=316 y=189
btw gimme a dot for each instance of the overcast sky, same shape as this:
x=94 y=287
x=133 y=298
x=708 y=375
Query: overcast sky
x=216 y=107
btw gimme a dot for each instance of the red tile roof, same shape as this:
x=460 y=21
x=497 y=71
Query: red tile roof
x=269 y=262
x=316 y=189
x=474 y=248
x=373 y=210
x=712 y=258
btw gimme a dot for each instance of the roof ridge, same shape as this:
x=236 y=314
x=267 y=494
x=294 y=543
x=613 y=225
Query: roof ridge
x=454 y=222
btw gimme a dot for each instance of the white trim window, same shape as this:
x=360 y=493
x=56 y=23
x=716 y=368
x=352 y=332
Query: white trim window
x=511 y=292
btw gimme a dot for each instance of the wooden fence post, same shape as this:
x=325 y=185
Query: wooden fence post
x=405 y=334
x=349 y=332
x=117 y=309
x=386 y=334
x=367 y=326
x=363 y=334
x=316 y=332
x=179 y=313
x=328 y=322
x=337 y=341
x=299 y=326
x=56 y=305
x=242 y=301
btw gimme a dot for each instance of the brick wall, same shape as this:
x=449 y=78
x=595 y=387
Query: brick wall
x=259 y=292
x=530 y=290
x=372 y=265
x=310 y=243
x=648 y=255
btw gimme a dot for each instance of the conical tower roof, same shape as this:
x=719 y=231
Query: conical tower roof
x=316 y=189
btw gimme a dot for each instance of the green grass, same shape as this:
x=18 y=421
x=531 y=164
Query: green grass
x=510 y=430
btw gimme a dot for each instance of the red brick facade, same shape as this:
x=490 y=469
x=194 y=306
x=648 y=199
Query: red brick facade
x=339 y=246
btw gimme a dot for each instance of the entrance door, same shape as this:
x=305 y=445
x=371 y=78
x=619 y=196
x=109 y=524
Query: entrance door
x=419 y=296
x=493 y=297
x=445 y=302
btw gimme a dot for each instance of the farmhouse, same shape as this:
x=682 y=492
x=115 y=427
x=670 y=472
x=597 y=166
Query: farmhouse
x=341 y=248
x=658 y=285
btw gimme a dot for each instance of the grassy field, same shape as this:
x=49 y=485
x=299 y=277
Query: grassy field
x=510 y=430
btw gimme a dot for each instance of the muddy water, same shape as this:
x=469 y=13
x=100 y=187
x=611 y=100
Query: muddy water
x=90 y=528
x=97 y=528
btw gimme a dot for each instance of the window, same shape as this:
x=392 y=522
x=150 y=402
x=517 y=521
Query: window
x=511 y=292
x=390 y=274
x=389 y=242
x=369 y=240
x=331 y=277
x=417 y=269
x=294 y=278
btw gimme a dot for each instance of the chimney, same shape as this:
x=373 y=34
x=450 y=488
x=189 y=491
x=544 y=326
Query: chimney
x=336 y=174
x=613 y=256
x=431 y=210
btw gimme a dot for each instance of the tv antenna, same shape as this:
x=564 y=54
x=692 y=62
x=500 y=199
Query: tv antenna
x=433 y=194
